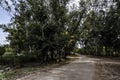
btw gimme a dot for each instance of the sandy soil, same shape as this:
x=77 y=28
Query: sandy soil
x=83 y=68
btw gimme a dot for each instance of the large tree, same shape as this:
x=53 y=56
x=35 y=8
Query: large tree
x=41 y=27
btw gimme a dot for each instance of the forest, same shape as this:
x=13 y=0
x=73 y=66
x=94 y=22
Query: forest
x=50 y=30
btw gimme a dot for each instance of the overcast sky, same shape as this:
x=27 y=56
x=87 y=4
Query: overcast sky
x=5 y=19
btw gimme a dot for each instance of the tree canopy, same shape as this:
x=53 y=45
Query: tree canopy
x=47 y=29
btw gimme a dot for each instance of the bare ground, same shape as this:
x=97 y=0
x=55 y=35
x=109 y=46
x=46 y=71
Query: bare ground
x=83 y=68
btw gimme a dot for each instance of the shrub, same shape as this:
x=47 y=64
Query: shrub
x=2 y=50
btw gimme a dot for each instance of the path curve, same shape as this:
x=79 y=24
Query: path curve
x=84 y=68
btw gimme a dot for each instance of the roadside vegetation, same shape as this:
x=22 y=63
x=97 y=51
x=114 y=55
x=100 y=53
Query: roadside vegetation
x=46 y=31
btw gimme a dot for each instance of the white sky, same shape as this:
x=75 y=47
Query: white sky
x=4 y=19
x=74 y=3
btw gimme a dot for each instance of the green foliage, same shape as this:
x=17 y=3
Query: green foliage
x=101 y=31
x=2 y=50
x=42 y=28
x=46 y=31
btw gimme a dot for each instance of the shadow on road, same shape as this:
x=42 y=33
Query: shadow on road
x=82 y=68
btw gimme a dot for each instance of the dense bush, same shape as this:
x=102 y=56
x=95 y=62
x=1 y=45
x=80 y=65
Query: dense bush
x=13 y=60
x=2 y=50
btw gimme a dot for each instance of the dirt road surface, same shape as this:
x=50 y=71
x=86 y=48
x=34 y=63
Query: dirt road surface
x=83 y=68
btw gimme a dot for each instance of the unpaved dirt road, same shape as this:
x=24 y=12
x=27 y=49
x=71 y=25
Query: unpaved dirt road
x=83 y=68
